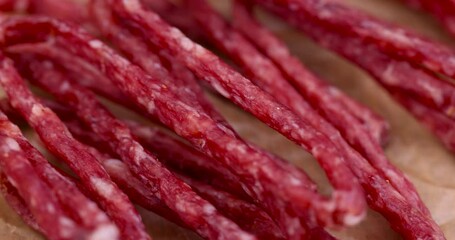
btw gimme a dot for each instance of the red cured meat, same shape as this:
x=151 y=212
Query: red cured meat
x=233 y=43
x=154 y=62
x=328 y=104
x=443 y=10
x=174 y=15
x=306 y=82
x=175 y=76
x=68 y=10
x=427 y=226
x=390 y=73
x=14 y=200
x=377 y=64
x=74 y=202
x=172 y=152
x=186 y=159
x=240 y=90
x=257 y=67
x=389 y=69
x=441 y=125
x=36 y=195
x=251 y=158
x=192 y=209
x=60 y=142
x=247 y=215
x=261 y=68
x=87 y=75
x=396 y=42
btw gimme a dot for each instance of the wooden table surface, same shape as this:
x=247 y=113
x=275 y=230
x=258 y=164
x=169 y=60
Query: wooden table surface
x=412 y=148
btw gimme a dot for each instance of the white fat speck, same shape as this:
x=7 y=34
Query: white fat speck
x=122 y=133
x=175 y=33
x=123 y=62
x=279 y=51
x=131 y=5
x=295 y=134
x=37 y=110
x=50 y=208
x=65 y=86
x=115 y=163
x=232 y=146
x=199 y=50
x=100 y=217
x=26 y=101
x=157 y=66
x=391 y=174
x=95 y=44
x=190 y=110
x=102 y=186
x=220 y=89
x=180 y=206
x=241 y=149
x=142 y=101
x=21 y=5
x=257 y=188
x=388 y=74
x=105 y=232
x=201 y=143
x=12 y=144
x=139 y=153
x=246 y=236
x=351 y=219
x=292 y=225
x=334 y=91
x=225 y=129
x=397 y=36
x=53 y=135
x=186 y=43
x=208 y=209
x=151 y=106
x=295 y=181
x=66 y=222
x=434 y=92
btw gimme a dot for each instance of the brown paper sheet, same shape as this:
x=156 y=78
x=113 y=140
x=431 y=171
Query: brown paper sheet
x=412 y=148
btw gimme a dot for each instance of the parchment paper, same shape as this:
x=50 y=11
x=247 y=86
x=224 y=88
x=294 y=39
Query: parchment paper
x=412 y=148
